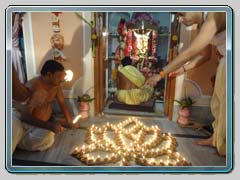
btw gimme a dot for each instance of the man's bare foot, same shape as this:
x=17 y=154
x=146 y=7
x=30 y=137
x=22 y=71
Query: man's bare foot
x=205 y=142
x=208 y=142
x=221 y=155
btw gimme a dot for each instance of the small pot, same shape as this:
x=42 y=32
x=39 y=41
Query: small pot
x=84 y=109
x=184 y=115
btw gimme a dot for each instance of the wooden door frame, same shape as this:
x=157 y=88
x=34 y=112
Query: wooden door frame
x=100 y=68
x=99 y=63
x=171 y=82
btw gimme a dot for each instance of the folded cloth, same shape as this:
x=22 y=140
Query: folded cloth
x=133 y=74
x=135 y=96
x=35 y=138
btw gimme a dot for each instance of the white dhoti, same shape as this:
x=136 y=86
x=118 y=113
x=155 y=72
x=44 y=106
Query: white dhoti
x=218 y=108
x=35 y=138
x=17 y=129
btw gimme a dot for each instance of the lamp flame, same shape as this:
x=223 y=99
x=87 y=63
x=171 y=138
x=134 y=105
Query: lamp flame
x=105 y=34
x=75 y=120
x=69 y=75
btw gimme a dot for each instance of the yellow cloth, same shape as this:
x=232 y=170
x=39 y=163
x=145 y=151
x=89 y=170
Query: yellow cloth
x=218 y=108
x=135 y=96
x=133 y=74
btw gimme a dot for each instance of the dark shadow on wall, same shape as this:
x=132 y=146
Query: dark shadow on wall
x=74 y=53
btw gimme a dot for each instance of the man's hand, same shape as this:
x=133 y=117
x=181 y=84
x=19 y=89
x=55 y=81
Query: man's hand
x=66 y=124
x=74 y=126
x=152 y=81
x=56 y=127
x=177 y=72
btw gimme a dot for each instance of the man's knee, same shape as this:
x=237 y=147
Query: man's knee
x=45 y=141
x=221 y=148
x=17 y=132
x=38 y=140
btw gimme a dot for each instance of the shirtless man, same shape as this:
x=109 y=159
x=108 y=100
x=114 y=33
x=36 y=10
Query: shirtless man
x=212 y=27
x=39 y=131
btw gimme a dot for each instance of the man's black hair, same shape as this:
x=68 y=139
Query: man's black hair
x=51 y=66
x=126 y=61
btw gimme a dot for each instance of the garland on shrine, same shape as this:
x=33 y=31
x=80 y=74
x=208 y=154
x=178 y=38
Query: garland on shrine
x=138 y=40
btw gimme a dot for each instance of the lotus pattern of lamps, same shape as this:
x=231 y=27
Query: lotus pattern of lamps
x=127 y=143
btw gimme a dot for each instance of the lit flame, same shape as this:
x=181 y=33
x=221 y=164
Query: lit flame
x=69 y=75
x=105 y=34
x=77 y=118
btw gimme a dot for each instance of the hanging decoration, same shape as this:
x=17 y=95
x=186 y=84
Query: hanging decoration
x=57 y=42
x=138 y=40
x=122 y=31
x=128 y=143
x=93 y=33
x=55 y=22
x=83 y=19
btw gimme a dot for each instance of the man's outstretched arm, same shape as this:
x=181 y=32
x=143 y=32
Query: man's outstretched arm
x=214 y=23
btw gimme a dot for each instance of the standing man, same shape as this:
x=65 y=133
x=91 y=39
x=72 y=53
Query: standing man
x=19 y=94
x=16 y=53
x=212 y=27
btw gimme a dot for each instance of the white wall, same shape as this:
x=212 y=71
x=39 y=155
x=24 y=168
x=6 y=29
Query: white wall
x=186 y=83
x=81 y=57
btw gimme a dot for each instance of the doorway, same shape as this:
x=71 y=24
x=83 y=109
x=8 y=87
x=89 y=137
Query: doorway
x=158 y=22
